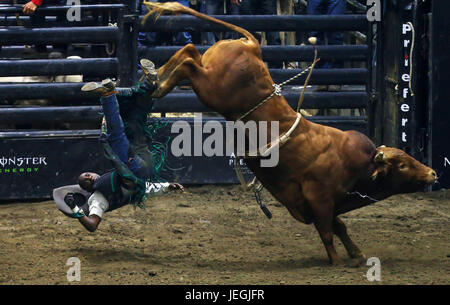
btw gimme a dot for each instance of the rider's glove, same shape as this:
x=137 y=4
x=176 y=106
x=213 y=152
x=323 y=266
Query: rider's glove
x=70 y=201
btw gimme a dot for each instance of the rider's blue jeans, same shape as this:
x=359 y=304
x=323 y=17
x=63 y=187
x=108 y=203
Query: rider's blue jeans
x=141 y=162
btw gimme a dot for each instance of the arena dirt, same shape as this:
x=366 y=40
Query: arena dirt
x=218 y=235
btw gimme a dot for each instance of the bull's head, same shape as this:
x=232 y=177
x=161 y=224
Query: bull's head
x=400 y=171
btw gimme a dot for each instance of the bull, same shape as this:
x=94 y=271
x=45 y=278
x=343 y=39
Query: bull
x=322 y=171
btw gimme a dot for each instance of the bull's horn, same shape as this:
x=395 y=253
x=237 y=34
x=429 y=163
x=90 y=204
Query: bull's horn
x=375 y=175
x=381 y=146
x=379 y=157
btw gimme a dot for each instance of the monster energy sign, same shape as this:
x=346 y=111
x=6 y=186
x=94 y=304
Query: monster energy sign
x=13 y=165
x=33 y=167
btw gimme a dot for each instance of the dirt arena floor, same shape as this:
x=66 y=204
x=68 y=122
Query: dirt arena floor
x=218 y=235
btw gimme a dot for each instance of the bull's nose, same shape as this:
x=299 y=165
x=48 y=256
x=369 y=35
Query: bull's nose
x=433 y=175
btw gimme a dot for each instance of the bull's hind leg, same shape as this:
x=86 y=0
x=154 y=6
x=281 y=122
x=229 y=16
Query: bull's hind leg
x=353 y=251
x=189 y=51
x=188 y=69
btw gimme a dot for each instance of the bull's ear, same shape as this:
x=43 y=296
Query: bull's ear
x=379 y=157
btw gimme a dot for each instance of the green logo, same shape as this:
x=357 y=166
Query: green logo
x=18 y=170
x=18 y=165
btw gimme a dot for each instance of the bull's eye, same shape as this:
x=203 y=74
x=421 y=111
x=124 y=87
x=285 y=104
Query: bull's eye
x=402 y=166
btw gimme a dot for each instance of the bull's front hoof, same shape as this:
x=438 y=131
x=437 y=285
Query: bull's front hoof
x=337 y=262
x=357 y=262
x=357 y=254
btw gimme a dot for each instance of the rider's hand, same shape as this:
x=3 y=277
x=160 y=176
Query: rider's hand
x=70 y=200
x=176 y=186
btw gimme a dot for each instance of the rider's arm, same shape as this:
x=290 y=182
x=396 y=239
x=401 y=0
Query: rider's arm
x=97 y=207
x=156 y=189
x=90 y=222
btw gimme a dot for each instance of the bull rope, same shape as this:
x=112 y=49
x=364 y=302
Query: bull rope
x=276 y=91
x=256 y=185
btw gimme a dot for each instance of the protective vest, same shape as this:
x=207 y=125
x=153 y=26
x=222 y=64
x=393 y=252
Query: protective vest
x=109 y=185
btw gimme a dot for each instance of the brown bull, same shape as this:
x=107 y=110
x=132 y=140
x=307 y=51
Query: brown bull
x=322 y=171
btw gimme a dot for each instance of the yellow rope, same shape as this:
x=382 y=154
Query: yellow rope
x=302 y=96
x=410 y=58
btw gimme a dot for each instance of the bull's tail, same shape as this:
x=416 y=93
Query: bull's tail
x=177 y=8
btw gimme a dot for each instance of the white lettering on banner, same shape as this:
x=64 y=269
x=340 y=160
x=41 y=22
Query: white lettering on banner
x=404 y=107
x=403 y=89
x=446 y=161
x=405 y=92
x=22 y=161
x=406 y=28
